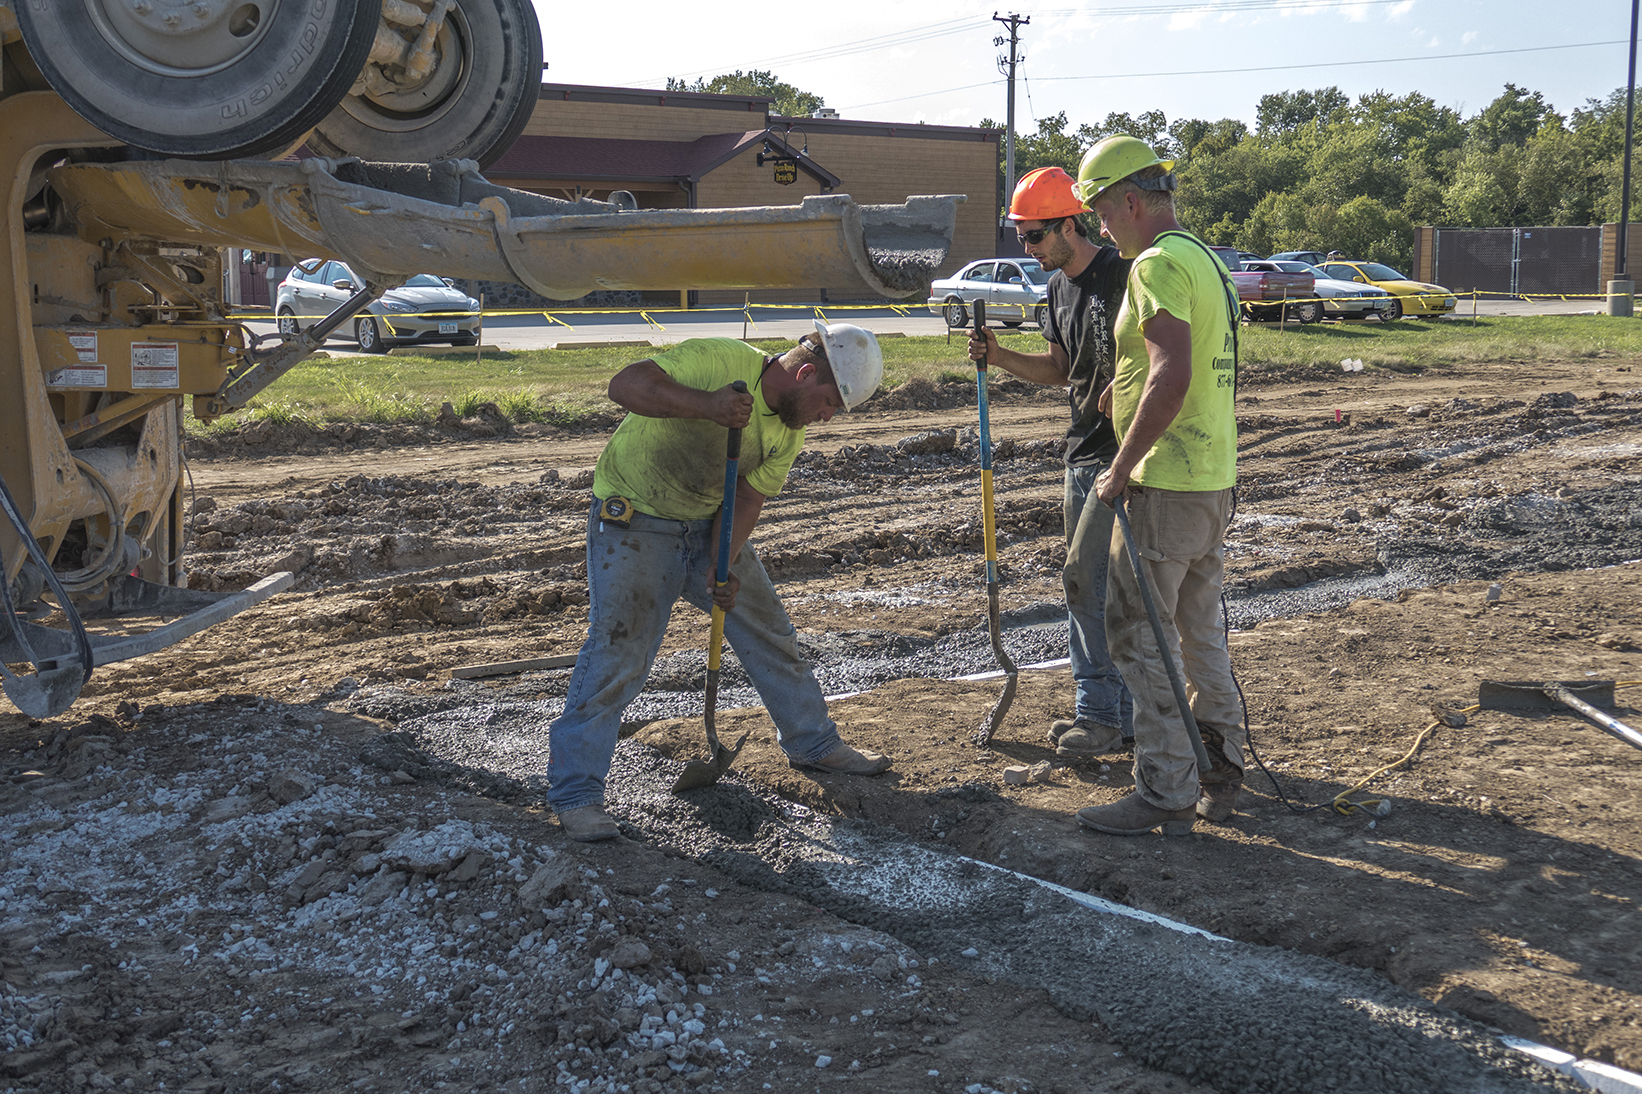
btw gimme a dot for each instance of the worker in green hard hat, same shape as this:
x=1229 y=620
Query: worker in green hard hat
x=1171 y=402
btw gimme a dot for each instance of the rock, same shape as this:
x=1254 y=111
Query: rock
x=470 y=867
x=229 y=808
x=432 y=852
x=291 y=786
x=1351 y=516
x=823 y=1061
x=1040 y=771
x=630 y=953
x=204 y=503
x=689 y=960
x=884 y=968
x=1419 y=410
x=1017 y=775
x=929 y=444
x=553 y=881
x=1614 y=642
x=383 y=887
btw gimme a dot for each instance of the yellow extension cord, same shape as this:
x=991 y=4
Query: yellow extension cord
x=1342 y=803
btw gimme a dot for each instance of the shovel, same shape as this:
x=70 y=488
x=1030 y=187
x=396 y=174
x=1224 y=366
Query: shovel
x=989 y=527
x=699 y=773
x=1577 y=695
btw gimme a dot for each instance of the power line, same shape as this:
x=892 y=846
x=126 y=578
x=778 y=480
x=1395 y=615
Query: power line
x=1254 y=68
x=911 y=35
x=1336 y=64
x=1215 y=9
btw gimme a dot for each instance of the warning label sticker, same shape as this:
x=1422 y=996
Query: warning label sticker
x=84 y=343
x=84 y=376
x=153 y=364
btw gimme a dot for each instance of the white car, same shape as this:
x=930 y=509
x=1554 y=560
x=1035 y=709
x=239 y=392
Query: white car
x=423 y=309
x=1341 y=299
x=1015 y=290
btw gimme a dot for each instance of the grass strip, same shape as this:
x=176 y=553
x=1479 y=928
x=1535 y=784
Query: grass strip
x=564 y=386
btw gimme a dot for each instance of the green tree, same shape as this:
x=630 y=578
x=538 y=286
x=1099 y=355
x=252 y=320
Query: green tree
x=789 y=100
x=1286 y=111
x=1510 y=119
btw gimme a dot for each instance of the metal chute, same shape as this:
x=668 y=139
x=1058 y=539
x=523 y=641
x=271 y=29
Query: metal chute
x=401 y=219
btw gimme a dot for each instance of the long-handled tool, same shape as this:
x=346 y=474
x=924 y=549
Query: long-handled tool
x=699 y=773
x=1146 y=598
x=1001 y=707
x=1547 y=695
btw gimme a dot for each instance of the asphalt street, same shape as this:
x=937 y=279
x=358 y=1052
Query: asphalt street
x=571 y=329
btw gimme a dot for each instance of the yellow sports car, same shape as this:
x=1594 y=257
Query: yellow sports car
x=1407 y=297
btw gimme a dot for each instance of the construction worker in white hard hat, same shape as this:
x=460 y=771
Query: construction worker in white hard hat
x=1171 y=400
x=1084 y=292
x=652 y=538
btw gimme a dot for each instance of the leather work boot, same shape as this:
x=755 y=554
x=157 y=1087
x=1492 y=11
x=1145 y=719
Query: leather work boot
x=588 y=824
x=1221 y=783
x=1135 y=816
x=845 y=760
x=1082 y=737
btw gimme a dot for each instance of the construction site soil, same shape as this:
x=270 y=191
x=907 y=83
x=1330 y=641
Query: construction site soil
x=294 y=854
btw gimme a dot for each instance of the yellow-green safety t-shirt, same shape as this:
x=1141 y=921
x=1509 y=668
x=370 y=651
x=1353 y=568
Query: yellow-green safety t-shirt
x=674 y=467
x=1199 y=449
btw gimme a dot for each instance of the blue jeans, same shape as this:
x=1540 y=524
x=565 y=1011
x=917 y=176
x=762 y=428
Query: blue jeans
x=1101 y=696
x=635 y=575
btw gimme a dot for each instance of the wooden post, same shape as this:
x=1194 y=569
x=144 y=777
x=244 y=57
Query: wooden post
x=479 y=344
x=1283 y=313
x=746 y=302
x=1474 y=295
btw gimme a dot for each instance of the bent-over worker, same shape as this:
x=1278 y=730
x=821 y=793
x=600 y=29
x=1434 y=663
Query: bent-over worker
x=1172 y=401
x=652 y=538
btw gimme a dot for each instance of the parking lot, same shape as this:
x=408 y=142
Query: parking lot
x=534 y=331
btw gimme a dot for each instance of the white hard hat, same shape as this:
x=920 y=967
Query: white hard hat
x=857 y=362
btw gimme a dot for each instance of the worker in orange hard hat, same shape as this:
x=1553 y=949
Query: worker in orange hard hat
x=1085 y=291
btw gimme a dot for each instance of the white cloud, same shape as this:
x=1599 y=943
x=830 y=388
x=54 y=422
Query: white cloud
x=1468 y=37
x=1188 y=20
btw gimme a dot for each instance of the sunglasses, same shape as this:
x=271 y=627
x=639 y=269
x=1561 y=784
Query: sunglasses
x=1037 y=235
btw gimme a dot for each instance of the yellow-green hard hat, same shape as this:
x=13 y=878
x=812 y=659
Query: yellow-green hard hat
x=1114 y=159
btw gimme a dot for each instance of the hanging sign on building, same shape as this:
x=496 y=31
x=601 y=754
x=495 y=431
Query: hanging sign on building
x=786 y=170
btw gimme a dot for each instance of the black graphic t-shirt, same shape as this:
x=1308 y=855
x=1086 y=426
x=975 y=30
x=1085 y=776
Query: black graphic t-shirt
x=1082 y=311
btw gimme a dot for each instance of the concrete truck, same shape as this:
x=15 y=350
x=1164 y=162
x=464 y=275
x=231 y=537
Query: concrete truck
x=142 y=137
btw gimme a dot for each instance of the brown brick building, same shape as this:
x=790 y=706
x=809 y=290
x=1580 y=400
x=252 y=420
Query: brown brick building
x=689 y=150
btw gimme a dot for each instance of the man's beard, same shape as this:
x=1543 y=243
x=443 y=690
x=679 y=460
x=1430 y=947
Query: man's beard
x=788 y=410
x=1058 y=255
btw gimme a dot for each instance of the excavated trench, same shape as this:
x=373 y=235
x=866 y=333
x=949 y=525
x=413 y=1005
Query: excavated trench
x=1164 y=995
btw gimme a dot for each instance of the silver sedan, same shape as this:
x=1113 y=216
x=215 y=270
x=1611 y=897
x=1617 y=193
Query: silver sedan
x=1015 y=290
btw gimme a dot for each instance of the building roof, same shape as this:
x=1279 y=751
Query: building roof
x=605 y=158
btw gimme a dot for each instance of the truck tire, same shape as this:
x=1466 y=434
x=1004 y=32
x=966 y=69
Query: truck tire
x=473 y=105
x=244 y=80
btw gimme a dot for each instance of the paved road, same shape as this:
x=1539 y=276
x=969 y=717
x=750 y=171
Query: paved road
x=523 y=332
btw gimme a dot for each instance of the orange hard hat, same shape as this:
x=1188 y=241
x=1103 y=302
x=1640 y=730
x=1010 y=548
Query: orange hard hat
x=1044 y=194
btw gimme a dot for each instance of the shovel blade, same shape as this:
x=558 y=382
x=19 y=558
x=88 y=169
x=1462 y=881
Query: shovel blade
x=700 y=773
x=1530 y=694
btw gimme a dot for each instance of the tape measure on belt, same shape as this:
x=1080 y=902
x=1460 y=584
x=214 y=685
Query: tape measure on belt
x=617 y=511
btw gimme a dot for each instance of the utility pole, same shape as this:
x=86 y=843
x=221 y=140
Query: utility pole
x=1622 y=288
x=1007 y=65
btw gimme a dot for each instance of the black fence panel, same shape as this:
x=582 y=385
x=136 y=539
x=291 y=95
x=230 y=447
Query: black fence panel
x=1516 y=261
x=1558 y=260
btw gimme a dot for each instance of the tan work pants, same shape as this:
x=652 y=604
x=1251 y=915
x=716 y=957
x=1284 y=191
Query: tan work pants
x=1181 y=539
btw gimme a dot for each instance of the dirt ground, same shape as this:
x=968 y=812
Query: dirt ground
x=1401 y=538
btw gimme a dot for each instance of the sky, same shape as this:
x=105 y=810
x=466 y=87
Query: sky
x=920 y=62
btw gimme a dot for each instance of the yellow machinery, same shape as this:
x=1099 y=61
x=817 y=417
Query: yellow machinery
x=131 y=136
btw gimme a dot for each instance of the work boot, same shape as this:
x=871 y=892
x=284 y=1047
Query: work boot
x=588 y=824
x=1219 y=800
x=1220 y=784
x=845 y=760
x=1081 y=737
x=1135 y=816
